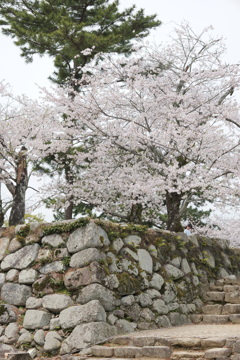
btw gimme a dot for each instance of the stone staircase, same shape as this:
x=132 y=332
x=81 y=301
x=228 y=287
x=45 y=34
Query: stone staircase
x=222 y=303
x=190 y=342
x=174 y=348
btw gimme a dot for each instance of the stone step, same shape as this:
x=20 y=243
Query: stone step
x=190 y=354
x=215 y=309
x=140 y=341
x=231 y=309
x=214 y=296
x=162 y=352
x=215 y=319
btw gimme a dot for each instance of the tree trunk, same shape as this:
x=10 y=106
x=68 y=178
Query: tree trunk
x=68 y=213
x=136 y=213
x=173 y=202
x=18 y=205
x=1 y=207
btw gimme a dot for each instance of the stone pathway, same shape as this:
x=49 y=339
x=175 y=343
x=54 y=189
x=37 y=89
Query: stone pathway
x=188 y=342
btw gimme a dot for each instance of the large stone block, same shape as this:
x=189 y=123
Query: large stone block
x=85 y=257
x=56 y=302
x=156 y=282
x=89 y=236
x=86 y=335
x=76 y=278
x=145 y=260
x=174 y=272
x=75 y=315
x=97 y=292
x=21 y=259
x=15 y=294
x=54 y=240
x=36 y=319
x=48 y=284
x=27 y=276
x=52 y=342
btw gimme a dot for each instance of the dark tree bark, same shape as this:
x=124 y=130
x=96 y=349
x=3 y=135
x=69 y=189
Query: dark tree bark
x=68 y=213
x=173 y=203
x=135 y=215
x=18 y=205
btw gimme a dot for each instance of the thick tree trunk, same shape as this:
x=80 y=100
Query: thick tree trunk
x=173 y=202
x=136 y=214
x=18 y=205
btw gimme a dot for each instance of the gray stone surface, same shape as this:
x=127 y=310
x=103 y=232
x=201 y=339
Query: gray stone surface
x=132 y=240
x=76 y=278
x=11 y=333
x=39 y=337
x=2 y=279
x=27 y=276
x=25 y=338
x=4 y=243
x=177 y=319
x=160 y=306
x=85 y=257
x=33 y=303
x=118 y=244
x=145 y=260
x=169 y=293
x=36 y=319
x=124 y=326
x=98 y=292
x=8 y=313
x=173 y=272
x=54 y=240
x=14 y=245
x=93 y=311
x=86 y=335
x=144 y=300
x=88 y=236
x=15 y=294
x=176 y=261
x=55 y=323
x=12 y=275
x=52 y=342
x=185 y=267
x=157 y=281
x=21 y=259
x=56 y=302
x=127 y=300
x=56 y=266
x=133 y=255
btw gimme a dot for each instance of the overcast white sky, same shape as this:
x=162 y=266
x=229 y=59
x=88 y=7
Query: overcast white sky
x=222 y=14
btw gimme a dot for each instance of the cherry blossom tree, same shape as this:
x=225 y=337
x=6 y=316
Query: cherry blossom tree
x=26 y=130
x=165 y=128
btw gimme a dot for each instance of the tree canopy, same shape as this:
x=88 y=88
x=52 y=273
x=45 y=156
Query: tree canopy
x=165 y=129
x=63 y=29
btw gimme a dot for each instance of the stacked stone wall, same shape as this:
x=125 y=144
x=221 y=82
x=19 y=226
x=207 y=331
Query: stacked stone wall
x=66 y=286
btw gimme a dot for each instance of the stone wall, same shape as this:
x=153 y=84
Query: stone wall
x=66 y=286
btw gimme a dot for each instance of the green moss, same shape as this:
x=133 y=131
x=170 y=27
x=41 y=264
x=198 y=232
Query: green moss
x=68 y=227
x=66 y=260
x=23 y=233
x=115 y=231
x=128 y=284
